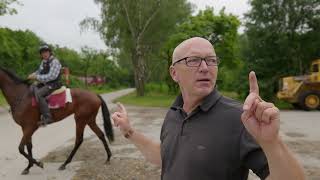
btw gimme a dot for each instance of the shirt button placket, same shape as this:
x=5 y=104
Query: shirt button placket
x=185 y=118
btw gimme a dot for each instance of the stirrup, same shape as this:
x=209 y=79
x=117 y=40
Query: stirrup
x=44 y=121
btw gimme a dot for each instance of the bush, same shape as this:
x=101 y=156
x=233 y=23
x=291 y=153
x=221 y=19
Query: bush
x=156 y=88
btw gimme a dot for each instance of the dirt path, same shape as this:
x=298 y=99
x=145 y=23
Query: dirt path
x=300 y=129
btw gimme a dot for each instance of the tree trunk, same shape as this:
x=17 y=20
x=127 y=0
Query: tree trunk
x=139 y=70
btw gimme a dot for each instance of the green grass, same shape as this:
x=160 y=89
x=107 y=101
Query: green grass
x=154 y=98
x=278 y=103
x=2 y=100
x=103 y=89
x=149 y=100
x=282 y=104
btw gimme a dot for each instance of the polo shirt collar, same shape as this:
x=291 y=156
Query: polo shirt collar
x=206 y=104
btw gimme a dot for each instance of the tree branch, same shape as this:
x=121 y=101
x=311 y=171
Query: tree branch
x=150 y=19
x=129 y=20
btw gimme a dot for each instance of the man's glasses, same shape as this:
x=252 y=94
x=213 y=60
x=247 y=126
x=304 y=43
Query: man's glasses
x=194 y=61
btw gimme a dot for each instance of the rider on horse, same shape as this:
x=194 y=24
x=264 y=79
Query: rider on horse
x=48 y=76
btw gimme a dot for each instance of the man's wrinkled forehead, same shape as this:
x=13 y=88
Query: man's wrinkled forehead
x=192 y=44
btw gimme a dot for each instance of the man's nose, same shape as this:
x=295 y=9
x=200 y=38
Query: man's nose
x=203 y=66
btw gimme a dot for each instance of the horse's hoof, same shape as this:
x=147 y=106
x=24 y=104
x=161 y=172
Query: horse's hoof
x=107 y=162
x=25 y=172
x=40 y=164
x=62 y=167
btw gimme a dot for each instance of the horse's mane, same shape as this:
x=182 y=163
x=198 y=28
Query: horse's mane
x=15 y=78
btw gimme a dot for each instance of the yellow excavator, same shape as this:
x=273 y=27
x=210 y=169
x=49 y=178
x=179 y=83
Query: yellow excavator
x=303 y=92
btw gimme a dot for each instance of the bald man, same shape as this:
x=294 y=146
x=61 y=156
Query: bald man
x=208 y=136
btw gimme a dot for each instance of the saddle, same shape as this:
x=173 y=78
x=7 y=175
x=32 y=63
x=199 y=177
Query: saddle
x=57 y=99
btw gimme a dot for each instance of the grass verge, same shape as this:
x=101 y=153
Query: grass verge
x=2 y=100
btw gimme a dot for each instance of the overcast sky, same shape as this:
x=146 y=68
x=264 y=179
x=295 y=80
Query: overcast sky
x=57 y=21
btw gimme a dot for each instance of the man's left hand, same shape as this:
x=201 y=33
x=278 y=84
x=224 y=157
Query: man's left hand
x=261 y=119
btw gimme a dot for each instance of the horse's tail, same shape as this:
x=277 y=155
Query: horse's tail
x=106 y=120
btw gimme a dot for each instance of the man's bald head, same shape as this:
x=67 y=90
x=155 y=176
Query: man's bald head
x=190 y=46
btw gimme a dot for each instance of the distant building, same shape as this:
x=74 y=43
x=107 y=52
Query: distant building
x=93 y=80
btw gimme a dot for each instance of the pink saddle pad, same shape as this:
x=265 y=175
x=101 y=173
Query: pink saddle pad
x=55 y=101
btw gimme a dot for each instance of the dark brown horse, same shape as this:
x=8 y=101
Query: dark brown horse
x=84 y=106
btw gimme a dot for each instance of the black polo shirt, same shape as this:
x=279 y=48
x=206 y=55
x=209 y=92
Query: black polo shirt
x=209 y=143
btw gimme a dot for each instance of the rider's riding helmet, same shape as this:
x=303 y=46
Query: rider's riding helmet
x=44 y=47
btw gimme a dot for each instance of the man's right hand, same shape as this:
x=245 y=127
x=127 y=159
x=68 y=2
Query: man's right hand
x=120 y=119
x=149 y=148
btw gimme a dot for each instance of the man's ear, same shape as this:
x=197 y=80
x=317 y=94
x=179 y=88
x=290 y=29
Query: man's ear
x=173 y=74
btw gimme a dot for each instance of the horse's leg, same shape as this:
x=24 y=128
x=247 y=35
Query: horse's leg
x=26 y=141
x=80 y=125
x=29 y=148
x=94 y=127
x=21 y=150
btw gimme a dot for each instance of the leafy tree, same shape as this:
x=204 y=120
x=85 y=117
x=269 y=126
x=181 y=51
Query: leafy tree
x=282 y=38
x=19 y=50
x=88 y=56
x=221 y=28
x=115 y=75
x=5 y=7
x=138 y=29
x=69 y=58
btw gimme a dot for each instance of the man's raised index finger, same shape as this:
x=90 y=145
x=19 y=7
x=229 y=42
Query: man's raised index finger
x=253 y=82
x=121 y=108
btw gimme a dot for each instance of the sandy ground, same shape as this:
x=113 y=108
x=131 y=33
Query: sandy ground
x=298 y=129
x=127 y=162
x=44 y=140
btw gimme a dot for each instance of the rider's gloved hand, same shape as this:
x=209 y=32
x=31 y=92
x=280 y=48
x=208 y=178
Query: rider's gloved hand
x=32 y=76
